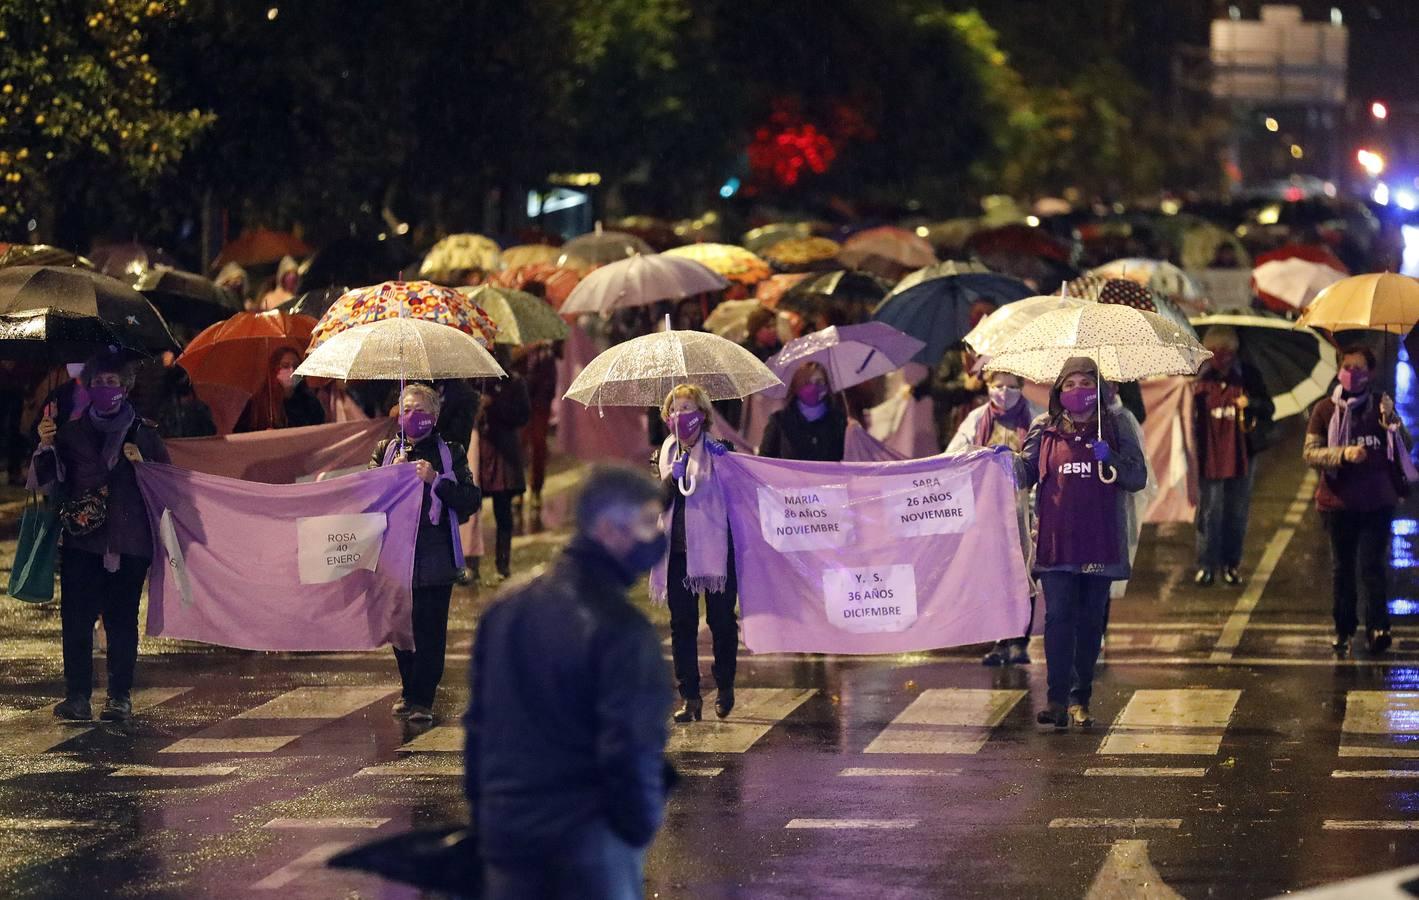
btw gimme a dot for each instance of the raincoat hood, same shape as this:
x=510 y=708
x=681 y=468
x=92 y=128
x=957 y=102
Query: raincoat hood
x=1072 y=366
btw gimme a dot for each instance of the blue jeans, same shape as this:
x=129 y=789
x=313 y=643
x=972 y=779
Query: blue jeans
x=595 y=865
x=1076 y=609
x=1223 y=506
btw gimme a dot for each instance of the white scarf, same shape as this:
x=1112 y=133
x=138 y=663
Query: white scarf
x=706 y=525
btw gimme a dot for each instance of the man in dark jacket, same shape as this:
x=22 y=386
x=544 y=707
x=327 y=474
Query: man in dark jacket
x=566 y=725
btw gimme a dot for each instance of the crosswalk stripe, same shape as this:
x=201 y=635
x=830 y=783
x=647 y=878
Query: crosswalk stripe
x=842 y=824
x=859 y=772
x=1353 y=751
x=1190 y=721
x=42 y=824
x=1115 y=823
x=706 y=772
x=317 y=703
x=1381 y=712
x=325 y=823
x=38 y=731
x=414 y=766
x=1371 y=825
x=1375 y=773
x=1128 y=872
x=1145 y=772
x=266 y=743
x=441 y=738
x=296 y=868
x=946 y=720
x=171 y=771
x=756 y=712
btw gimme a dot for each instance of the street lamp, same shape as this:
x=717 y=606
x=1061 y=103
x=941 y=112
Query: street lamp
x=1372 y=162
x=1379 y=110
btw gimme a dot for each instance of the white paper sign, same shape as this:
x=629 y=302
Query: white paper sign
x=331 y=547
x=808 y=519
x=872 y=599
x=167 y=532
x=930 y=504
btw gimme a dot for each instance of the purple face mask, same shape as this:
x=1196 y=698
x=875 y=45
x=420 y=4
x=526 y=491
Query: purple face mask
x=106 y=399
x=416 y=424
x=1354 y=381
x=1079 y=401
x=687 y=424
x=812 y=394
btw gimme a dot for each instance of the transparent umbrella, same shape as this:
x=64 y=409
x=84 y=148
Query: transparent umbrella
x=642 y=371
x=399 y=349
x=640 y=281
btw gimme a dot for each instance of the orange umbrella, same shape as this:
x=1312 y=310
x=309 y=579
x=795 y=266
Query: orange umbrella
x=237 y=352
x=256 y=246
x=557 y=281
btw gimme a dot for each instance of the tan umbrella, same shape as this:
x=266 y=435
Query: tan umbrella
x=1379 y=302
x=730 y=319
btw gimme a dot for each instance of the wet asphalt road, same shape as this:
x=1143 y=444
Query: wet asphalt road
x=1232 y=757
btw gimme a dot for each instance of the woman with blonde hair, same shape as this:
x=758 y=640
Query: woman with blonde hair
x=700 y=559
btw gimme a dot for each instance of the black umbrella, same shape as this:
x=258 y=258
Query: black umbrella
x=41 y=255
x=857 y=293
x=354 y=261
x=437 y=859
x=187 y=297
x=53 y=337
x=313 y=303
x=69 y=293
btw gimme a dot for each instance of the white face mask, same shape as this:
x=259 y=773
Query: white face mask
x=74 y=369
x=1004 y=397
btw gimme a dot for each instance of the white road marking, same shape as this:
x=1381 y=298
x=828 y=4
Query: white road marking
x=1145 y=772
x=1231 y=636
x=314 y=859
x=43 y=824
x=440 y=738
x=325 y=823
x=263 y=744
x=706 y=772
x=852 y=772
x=1375 y=773
x=756 y=712
x=1381 y=712
x=1128 y=874
x=1116 y=823
x=839 y=824
x=1354 y=751
x=946 y=720
x=317 y=703
x=436 y=766
x=1190 y=721
x=38 y=731
x=1371 y=825
x=171 y=771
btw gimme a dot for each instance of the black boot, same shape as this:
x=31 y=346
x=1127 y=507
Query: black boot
x=503 y=558
x=724 y=703
x=691 y=711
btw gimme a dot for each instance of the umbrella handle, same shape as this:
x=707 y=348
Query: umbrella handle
x=1109 y=478
x=687 y=490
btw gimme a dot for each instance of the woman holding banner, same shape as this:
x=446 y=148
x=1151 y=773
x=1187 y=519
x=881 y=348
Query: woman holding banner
x=1083 y=466
x=1004 y=422
x=811 y=426
x=450 y=497
x=700 y=559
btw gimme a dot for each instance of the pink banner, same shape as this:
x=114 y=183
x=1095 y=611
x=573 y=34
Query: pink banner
x=595 y=434
x=889 y=557
x=284 y=455
x=1168 y=443
x=322 y=566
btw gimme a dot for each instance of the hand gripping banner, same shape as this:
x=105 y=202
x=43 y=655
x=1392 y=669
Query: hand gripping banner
x=868 y=557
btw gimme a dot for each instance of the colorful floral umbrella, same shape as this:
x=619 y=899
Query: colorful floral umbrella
x=404 y=300
x=459 y=252
x=734 y=263
x=765 y=236
x=798 y=252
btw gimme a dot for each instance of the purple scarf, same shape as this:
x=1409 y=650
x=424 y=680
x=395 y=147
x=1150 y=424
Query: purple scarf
x=114 y=429
x=1017 y=418
x=435 y=504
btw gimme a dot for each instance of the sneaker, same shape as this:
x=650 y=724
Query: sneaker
x=1341 y=646
x=1019 y=654
x=1378 y=640
x=999 y=655
x=1231 y=576
x=74 y=709
x=1204 y=578
x=400 y=709
x=1055 y=716
x=1079 y=716
x=117 y=709
x=419 y=713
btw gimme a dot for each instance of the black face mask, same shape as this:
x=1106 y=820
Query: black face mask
x=644 y=555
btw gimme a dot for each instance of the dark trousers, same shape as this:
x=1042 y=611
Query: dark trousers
x=534 y=445
x=421 y=669
x=1076 y=609
x=87 y=591
x=502 y=520
x=685 y=628
x=1223 y=507
x=1359 y=545
x=598 y=865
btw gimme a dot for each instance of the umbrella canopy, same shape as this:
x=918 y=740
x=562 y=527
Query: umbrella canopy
x=460 y=252
x=395 y=349
x=851 y=354
x=602 y=247
x=39 y=255
x=992 y=332
x=557 y=281
x=354 y=260
x=940 y=312
x=520 y=317
x=730 y=319
x=1021 y=239
x=940 y=270
x=128 y=261
x=1123 y=292
x=45 y=290
x=727 y=261
x=1288 y=278
x=1200 y=240
x=1380 y=302
x=641 y=371
x=1042 y=274
x=843 y=286
x=1297 y=365
x=765 y=236
x=640 y=281
x=800 y=252
x=186 y=297
x=314 y=303
x=50 y=336
x=1127 y=344
x=772 y=289
x=532 y=254
x=404 y=300
x=1160 y=275
x=257 y=246
x=237 y=353
x=896 y=245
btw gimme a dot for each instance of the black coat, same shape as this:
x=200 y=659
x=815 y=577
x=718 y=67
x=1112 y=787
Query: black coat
x=790 y=436
x=433 y=547
x=501 y=433
x=567 y=722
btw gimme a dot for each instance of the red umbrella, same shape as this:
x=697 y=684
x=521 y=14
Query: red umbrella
x=256 y=246
x=1018 y=239
x=1315 y=253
